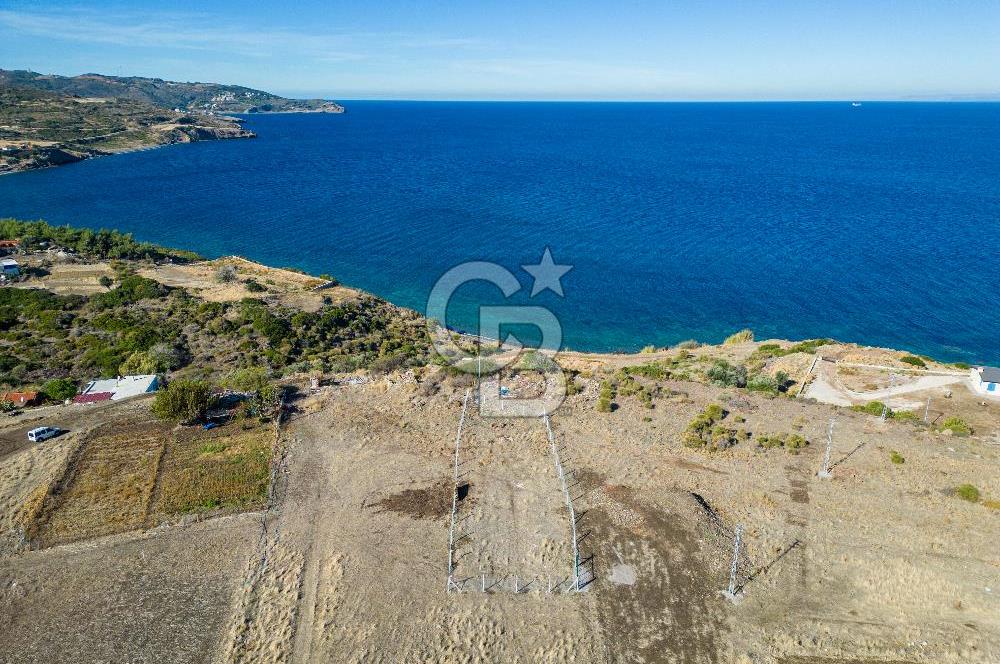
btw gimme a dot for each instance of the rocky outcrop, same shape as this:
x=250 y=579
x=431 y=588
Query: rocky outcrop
x=199 y=133
x=25 y=158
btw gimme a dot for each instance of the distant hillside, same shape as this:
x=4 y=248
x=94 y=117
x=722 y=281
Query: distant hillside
x=39 y=128
x=202 y=97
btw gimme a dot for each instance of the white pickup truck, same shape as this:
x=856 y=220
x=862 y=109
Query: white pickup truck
x=39 y=434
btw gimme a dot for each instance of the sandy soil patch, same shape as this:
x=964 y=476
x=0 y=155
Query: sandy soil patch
x=160 y=597
x=880 y=563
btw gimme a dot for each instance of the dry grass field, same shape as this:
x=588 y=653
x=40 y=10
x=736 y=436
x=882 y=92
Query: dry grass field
x=108 y=487
x=226 y=468
x=129 y=475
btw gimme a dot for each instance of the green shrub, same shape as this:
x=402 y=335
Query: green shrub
x=106 y=281
x=604 y=400
x=59 y=389
x=131 y=288
x=535 y=361
x=226 y=274
x=690 y=344
x=873 y=408
x=896 y=457
x=795 y=442
x=967 y=492
x=792 y=442
x=957 y=426
x=913 y=360
x=138 y=363
x=645 y=398
x=961 y=365
x=705 y=430
x=743 y=336
x=183 y=400
x=905 y=416
x=648 y=349
x=724 y=374
x=714 y=412
x=254 y=286
x=768 y=441
x=761 y=382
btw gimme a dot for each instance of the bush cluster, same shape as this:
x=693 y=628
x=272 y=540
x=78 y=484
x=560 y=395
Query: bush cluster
x=724 y=374
x=774 y=350
x=913 y=360
x=957 y=426
x=706 y=431
x=792 y=442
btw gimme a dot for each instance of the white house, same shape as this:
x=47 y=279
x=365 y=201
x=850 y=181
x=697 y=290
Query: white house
x=113 y=389
x=986 y=380
x=9 y=267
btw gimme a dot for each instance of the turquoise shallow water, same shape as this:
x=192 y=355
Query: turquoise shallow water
x=878 y=224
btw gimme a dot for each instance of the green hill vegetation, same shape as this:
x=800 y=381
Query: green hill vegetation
x=201 y=97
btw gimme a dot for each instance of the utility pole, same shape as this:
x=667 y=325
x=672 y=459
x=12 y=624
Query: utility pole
x=927 y=409
x=824 y=472
x=731 y=590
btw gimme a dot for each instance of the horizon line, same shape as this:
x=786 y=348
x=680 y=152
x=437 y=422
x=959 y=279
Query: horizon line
x=573 y=100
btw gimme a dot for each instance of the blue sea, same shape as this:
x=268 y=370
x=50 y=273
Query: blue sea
x=877 y=224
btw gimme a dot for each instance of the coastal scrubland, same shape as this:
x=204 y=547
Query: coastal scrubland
x=136 y=324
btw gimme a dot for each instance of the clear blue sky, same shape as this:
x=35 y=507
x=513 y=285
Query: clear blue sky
x=468 y=49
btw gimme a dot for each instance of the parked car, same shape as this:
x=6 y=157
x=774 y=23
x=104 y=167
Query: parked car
x=39 y=434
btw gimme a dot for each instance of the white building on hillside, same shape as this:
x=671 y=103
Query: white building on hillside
x=113 y=389
x=9 y=267
x=986 y=380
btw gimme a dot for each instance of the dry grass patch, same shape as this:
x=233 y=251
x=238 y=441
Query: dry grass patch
x=227 y=468
x=134 y=476
x=108 y=489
